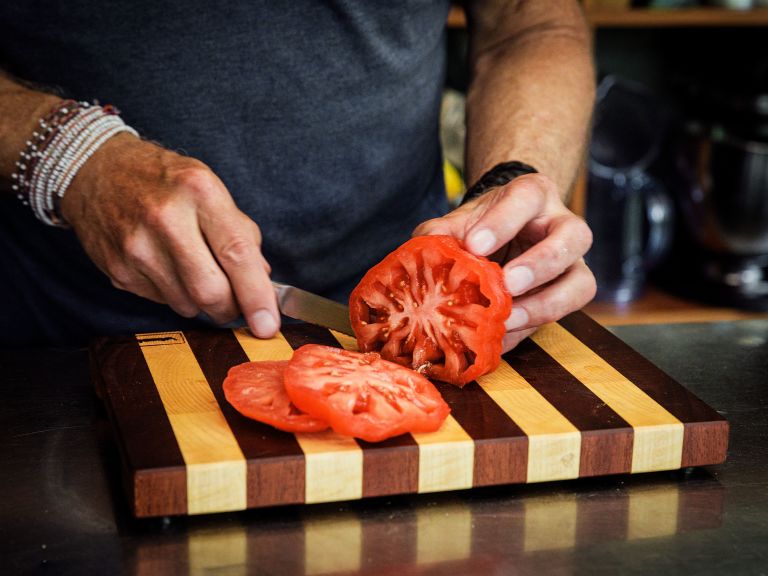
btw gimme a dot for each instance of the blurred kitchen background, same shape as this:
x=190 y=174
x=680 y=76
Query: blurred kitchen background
x=675 y=185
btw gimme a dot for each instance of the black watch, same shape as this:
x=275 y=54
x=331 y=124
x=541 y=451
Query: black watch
x=497 y=176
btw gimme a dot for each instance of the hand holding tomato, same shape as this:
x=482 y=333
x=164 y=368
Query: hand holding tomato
x=525 y=226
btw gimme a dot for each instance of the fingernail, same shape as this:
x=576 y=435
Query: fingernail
x=263 y=324
x=517 y=319
x=481 y=242
x=518 y=279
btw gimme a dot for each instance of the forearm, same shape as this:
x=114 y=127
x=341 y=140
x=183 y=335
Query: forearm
x=20 y=110
x=532 y=89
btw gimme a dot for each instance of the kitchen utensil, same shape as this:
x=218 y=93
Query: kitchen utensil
x=572 y=401
x=629 y=210
x=302 y=305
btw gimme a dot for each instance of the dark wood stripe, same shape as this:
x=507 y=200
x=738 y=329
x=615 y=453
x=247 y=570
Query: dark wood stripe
x=705 y=443
x=389 y=467
x=606 y=438
x=275 y=462
x=501 y=447
x=156 y=475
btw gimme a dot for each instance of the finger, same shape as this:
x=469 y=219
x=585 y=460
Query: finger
x=236 y=244
x=505 y=211
x=446 y=225
x=134 y=282
x=568 y=239
x=205 y=281
x=572 y=291
x=143 y=256
x=512 y=339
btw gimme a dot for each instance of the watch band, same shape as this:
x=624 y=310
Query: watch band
x=497 y=176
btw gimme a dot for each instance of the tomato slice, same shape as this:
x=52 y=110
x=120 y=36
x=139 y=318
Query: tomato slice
x=256 y=390
x=363 y=395
x=435 y=307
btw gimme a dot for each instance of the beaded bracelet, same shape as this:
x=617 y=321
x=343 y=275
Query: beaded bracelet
x=66 y=138
x=497 y=176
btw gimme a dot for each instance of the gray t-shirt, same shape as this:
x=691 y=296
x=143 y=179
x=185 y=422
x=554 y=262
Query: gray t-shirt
x=321 y=117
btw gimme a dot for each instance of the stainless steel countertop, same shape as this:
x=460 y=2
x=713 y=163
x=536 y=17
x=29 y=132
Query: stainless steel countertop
x=63 y=511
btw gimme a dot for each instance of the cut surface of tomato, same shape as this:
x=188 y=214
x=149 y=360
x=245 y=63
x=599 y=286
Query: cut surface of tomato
x=435 y=307
x=257 y=391
x=361 y=394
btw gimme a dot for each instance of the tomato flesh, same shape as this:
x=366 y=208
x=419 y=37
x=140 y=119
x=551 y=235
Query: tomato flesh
x=257 y=391
x=435 y=307
x=361 y=394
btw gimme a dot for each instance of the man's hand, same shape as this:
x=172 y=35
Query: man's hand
x=164 y=226
x=540 y=243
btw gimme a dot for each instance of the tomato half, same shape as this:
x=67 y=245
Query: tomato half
x=435 y=307
x=256 y=390
x=363 y=395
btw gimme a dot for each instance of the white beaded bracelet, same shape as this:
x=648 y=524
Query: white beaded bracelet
x=57 y=151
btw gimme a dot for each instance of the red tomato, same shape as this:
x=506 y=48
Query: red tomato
x=363 y=395
x=435 y=307
x=256 y=390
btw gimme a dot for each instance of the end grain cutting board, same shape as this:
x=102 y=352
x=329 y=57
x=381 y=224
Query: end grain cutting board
x=572 y=401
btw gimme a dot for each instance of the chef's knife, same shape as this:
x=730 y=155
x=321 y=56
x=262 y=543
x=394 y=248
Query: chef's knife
x=302 y=305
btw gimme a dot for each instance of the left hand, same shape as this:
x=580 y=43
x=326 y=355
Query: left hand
x=525 y=226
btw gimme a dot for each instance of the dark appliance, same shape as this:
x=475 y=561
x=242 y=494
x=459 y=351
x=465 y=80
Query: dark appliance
x=628 y=209
x=721 y=253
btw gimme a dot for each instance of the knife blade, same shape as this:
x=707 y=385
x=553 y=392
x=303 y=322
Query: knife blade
x=302 y=305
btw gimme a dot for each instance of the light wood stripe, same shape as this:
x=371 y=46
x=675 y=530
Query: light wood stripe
x=347 y=342
x=554 y=444
x=334 y=467
x=216 y=470
x=258 y=350
x=334 y=463
x=658 y=435
x=446 y=457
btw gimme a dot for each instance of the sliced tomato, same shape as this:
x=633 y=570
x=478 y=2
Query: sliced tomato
x=256 y=390
x=435 y=307
x=363 y=395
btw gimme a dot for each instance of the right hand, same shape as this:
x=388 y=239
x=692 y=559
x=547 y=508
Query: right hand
x=164 y=227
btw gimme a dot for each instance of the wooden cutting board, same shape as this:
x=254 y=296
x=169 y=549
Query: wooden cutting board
x=571 y=401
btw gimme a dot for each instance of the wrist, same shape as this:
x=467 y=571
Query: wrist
x=96 y=174
x=499 y=175
x=62 y=143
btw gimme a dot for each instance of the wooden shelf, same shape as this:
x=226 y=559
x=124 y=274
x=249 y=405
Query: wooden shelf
x=658 y=307
x=688 y=17
x=655 y=18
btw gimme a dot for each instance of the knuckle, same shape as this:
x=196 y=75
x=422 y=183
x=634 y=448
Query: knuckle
x=137 y=251
x=120 y=277
x=161 y=217
x=589 y=284
x=553 y=253
x=200 y=182
x=236 y=251
x=209 y=295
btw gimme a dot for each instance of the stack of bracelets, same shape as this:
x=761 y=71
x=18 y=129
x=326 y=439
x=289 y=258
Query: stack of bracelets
x=64 y=141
